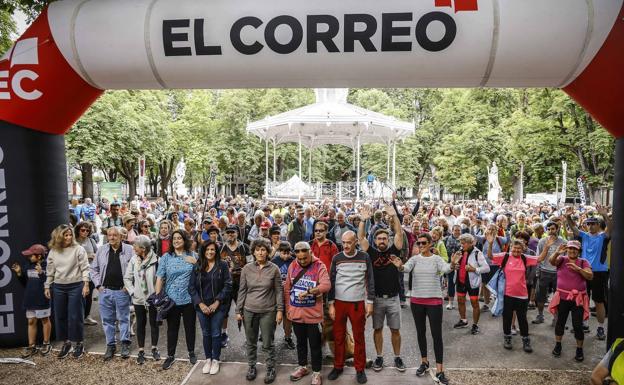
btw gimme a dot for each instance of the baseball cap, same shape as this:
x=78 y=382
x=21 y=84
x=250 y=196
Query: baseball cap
x=212 y=228
x=36 y=249
x=574 y=244
x=265 y=225
x=275 y=230
x=208 y=219
x=592 y=220
x=231 y=229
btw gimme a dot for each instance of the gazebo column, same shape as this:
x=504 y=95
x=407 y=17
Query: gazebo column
x=300 y=169
x=357 y=170
x=266 y=167
x=274 y=162
x=394 y=164
x=388 y=162
x=310 y=166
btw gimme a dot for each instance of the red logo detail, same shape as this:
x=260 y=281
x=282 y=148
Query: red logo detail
x=460 y=5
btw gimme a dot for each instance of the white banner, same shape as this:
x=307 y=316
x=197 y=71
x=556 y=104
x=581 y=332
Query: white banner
x=141 y=184
x=328 y=43
x=213 y=181
x=581 y=190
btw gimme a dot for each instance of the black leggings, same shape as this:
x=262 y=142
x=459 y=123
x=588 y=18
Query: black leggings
x=434 y=313
x=566 y=307
x=308 y=334
x=142 y=314
x=187 y=312
x=89 y=299
x=520 y=306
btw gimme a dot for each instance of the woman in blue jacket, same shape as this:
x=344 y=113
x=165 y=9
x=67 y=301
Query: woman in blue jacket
x=210 y=287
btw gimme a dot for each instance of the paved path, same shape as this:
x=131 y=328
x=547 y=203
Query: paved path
x=462 y=350
x=234 y=373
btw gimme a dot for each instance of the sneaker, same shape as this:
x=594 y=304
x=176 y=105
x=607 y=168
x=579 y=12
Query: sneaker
x=450 y=306
x=586 y=329
x=361 y=377
x=485 y=309
x=475 y=329
x=538 y=320
x=368 y=364
x=207 y=365
x=214 y=369
x=155 y=354
x=514 y=331
x=125 y=350
x=78 y=350
x=270 y=376
x=334 y=374
x=252 y=372
x=64 y=350
x=579 y=357
x=378 y=364
x=90 y=321
x=460 y=324
x=289 y=343
x=398 y=364
x=317 y=379
x=600 y=334
x=532 y=306
x=192 y=358
x=29 y=351
x=526 y=345
x=507 y=342
x=168 y=362
x=422 y=369
x=557 y=350
x=110 y=352
x=440 y=378
x=45 y=349
x=299 y=373
x=140 y=358
x=225 y=340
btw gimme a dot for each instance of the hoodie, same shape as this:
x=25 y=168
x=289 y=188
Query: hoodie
x=310 y=309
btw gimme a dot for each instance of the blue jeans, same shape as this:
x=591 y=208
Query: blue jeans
x=211 y=332
x=68 y=311
x=115 y=306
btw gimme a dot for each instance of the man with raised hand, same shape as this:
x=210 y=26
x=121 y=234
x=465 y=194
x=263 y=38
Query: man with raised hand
x=387 y=305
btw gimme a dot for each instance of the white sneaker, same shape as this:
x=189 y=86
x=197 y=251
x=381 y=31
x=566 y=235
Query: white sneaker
x=207 y=366
x=90 y=321
x=214 y=369
x=450 y=306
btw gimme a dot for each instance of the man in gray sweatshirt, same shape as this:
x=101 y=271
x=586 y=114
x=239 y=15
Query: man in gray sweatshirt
x=351 y=297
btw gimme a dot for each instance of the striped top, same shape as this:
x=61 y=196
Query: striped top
x=351 y=278
x=426 y=275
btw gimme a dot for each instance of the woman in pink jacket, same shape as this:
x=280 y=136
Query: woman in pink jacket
x=305 y=284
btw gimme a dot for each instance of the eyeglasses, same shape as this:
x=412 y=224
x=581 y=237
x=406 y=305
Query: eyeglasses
x=145 y=226
x=319 y=231
x=422 y=243
x=300 y=251
x=84 y=229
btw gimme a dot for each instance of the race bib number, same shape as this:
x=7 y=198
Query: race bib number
x=300 y=287
x=32 y=273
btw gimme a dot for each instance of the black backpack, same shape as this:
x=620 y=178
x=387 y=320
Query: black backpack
x=524 y=261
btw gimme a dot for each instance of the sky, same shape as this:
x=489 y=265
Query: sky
x=20 y=20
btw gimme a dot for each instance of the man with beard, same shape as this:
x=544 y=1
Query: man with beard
x=235 y=253
x=387 y=287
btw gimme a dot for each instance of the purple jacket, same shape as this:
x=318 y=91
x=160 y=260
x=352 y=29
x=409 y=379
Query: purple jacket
x=98 y=266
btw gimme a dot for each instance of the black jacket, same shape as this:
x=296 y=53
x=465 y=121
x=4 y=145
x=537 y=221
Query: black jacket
x=220 y=288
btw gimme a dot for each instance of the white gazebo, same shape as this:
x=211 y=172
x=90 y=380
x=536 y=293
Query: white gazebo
x=331 y=120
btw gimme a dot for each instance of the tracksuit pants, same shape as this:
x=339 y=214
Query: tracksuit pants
x=355 y=312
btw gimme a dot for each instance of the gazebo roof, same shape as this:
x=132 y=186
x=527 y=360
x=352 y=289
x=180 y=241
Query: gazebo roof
x=331 y=120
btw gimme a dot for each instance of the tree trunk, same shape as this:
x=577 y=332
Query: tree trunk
x=165 y=168
x=87 y=180
x=130 y=173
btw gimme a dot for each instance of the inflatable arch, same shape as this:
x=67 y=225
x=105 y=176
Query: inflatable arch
x=78 y=48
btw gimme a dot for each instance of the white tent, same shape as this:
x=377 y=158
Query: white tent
x=331 y=120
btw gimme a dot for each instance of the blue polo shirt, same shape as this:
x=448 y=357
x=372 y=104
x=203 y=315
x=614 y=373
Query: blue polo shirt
x=177 y=273
x=592 y=249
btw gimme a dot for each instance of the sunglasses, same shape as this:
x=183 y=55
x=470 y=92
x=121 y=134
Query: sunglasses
x=422 y=243
x=319 y=231
x=145 y=226
x=84 y=229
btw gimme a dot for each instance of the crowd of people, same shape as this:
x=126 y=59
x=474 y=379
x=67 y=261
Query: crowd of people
x=313 y=266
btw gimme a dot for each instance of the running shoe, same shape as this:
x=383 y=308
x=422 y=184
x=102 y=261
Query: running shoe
x=288 y=341
x=78 y=350
x=539 y=319
x=422 y=369
x=299 y=373
x=45 y=349
x=64 y=350
x=475 y=329
x=252 y=372
x=600 y=333
x=270 y=375
x=378 y=364
x=579 y=357
x=140 y=358
x=485 y=309
x=334 y=374
x=398 y=363
x=440 y=378
x=507 y=342
x=557 y=350
x=29 y=351
x=450 y=306
x=526 y=345
x=514 y=331
x=225 y=340
x=361 y=377
x=460 y=324
x=168 y=362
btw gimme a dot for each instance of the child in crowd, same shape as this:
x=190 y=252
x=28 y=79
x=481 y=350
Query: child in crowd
x=283 y=259
x=32 y=274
